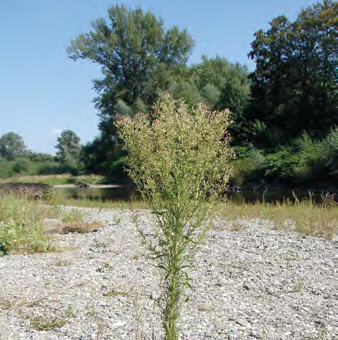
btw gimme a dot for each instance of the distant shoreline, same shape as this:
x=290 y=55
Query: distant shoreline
x=91 y=186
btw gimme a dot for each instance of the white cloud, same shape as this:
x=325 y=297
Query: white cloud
x=56 y=132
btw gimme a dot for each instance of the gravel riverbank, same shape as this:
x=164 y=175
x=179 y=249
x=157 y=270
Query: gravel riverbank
x=251 y=282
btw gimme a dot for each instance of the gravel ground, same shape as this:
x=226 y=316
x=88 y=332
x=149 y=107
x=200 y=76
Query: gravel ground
x=251 y=282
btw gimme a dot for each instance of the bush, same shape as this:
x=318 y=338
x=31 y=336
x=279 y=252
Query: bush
x=318 y=159
x=280 y=165
x=54 y=168
x=178 y=157
x=245 y=168
x=21 y=166
x=6 y=169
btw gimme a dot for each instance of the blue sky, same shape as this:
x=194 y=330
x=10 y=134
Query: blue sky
x=43 y=92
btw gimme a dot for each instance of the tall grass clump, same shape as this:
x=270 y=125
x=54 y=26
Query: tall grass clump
x=21 y=227
x=179 y=158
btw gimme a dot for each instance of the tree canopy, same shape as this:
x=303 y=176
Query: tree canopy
x=68 y=147
x=11 y=145
x=291 y=95
x=294 y=85
x=137 y=55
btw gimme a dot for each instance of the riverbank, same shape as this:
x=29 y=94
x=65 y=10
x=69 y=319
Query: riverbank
x=65 y=179
x=92 y=186
x=252 y=282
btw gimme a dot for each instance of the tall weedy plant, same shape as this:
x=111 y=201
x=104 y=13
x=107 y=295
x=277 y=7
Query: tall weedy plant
x=179 y=159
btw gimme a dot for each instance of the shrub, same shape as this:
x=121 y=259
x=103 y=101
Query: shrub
x=6 y=169
x=279 y=165
x=54 y=168
x=246 y=167
x=178 y=157
x=21 y=166
x=317 y=158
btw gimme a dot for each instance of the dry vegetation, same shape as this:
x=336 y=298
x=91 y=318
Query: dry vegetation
x=304 y=216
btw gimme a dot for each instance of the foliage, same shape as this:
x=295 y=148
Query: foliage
x=318 y=160
x=220 y=85
x=103 y=156
x=177 y=157
x=279 y=165
x=138 y=56
x=6 y=169
x=294 y=85
x=9 y=169
x=16 y=159
x=246 y=165
x=68 y=148
x=21 y=165
x=11 y=146
x=38 y=157
x=21 y=228
x=306 y=162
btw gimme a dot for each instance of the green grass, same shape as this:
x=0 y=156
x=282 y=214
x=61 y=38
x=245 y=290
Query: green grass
x=42 y=324
x=45 y=323
x=21 y=226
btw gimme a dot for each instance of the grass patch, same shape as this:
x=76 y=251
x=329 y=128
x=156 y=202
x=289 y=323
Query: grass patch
x=114 y=292
x=304 y=216
x=43 y=323
x=72 y=216
x=21 y=226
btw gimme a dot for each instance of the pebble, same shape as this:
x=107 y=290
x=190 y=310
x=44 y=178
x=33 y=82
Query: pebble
x=253 y=283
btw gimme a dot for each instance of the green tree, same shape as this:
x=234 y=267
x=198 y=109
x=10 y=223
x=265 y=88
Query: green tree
x=138 y=57
x=68 y=148
x=11 y=146
x=223 y=85
x=178 y=156
x=293 y=87
x=38 y=157
x=103 y=156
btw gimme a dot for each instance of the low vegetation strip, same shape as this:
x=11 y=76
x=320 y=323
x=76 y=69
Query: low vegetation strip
x=23 y=221
x=303 y=216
